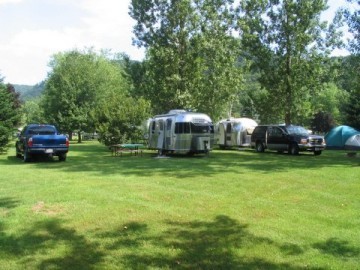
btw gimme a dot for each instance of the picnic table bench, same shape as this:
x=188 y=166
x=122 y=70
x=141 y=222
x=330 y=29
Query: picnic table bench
x=132 y=148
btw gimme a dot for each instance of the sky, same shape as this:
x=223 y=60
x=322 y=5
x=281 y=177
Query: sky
x=34 y=30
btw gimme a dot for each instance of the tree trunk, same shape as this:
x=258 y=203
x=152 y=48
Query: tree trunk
x=79 y=137
x=70 y=135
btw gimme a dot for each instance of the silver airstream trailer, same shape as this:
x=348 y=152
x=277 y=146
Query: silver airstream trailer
x=234 y=132
x=180 y=131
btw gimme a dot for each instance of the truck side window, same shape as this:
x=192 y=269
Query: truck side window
x=275 y=132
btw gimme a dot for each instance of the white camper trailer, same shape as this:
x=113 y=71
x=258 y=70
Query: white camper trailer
x=234 y=132
x=180 y=131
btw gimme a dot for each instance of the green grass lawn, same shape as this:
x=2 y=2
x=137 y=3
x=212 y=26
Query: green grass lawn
x=231 y=210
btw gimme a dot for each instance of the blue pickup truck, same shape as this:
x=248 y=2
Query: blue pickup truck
x=38 y=139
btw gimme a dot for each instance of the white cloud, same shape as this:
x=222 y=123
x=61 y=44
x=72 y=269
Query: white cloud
x=3 y=2
x=105 y=25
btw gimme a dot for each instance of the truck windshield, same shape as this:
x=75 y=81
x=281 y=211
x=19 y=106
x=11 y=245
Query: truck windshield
x=42 y=130
x=296 y=130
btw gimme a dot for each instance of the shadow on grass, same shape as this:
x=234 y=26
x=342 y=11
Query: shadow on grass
x=338 y=248
x=48 y=237
x=215 y=244
x=97 y=159
x=221 y=243
x=8 y=202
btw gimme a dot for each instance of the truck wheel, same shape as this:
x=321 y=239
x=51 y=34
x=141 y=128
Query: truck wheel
x=259 y=147
x=62 y=157
x=27 y=157
x=293 y=149
x=317 y=153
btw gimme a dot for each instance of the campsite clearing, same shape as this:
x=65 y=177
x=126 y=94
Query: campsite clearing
x=229 y=210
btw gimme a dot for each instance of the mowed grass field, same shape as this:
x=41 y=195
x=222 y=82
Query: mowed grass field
x=231 y=210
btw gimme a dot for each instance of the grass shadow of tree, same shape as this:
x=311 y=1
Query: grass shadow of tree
x=8 y=202
x=215 y=244
x=48 y=235
x=337 y=248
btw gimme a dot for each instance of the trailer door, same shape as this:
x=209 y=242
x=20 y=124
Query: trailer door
x=221 y=134
x=160 y=142
x=168 y=134
x=228 y=134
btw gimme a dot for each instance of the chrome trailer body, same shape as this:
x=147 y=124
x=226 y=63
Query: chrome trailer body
x=234 y=132
x=181 y=132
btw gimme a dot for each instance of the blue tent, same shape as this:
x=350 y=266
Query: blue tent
x=337 y=137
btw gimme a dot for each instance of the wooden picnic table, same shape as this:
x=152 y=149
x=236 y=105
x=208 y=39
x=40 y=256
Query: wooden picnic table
x=132 y=148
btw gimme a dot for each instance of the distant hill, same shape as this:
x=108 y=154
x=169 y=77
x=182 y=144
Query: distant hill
x=29 y=91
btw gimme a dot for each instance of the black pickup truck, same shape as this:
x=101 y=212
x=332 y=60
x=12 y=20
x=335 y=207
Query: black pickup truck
x=291 y=139
x=41 y=140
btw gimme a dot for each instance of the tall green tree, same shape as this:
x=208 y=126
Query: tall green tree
x=77 y=82
x=288 y=45
x=32 y=111
x=85 y=91
x=191 y=53
x=352 y=109
x=10 y=114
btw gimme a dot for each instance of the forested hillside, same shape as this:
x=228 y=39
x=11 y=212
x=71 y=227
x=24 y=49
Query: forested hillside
x=28 y=92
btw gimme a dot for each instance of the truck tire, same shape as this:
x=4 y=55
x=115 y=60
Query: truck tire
x=27 y=157
x=317 y=153
x=293 y=149
x=259 y=147
x=62 y=157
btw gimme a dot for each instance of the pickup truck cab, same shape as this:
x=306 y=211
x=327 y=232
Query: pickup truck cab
x=291 y=139
x=41 y=140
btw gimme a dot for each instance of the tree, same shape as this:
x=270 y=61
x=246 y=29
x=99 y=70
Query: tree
x=32 y=111
x=119 y=119
x=352 y=109
x=191 y=53
x=85 y=91
x=322 y=122
x=10 y=115
x=353 y=20
x=75 y=84
x=288 y=45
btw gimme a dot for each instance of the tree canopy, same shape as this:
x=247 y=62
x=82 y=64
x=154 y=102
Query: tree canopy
x=352 y=110
x=81 y=88
x=10 y=115
x=192 y=56
x=288 y=45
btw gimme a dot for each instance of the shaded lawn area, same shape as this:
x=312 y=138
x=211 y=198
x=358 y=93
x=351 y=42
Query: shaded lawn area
x=231 y=210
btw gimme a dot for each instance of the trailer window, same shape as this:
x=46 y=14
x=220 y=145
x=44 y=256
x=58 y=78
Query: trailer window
x=181 y=128
x=228 y=128
x=202 y=128
x=153 y=124
x=168 y=124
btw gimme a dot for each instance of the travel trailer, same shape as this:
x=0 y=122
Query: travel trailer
x=234 y=132
x=182 y=132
